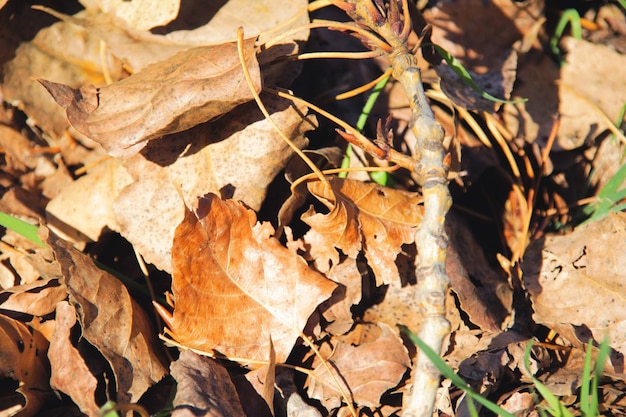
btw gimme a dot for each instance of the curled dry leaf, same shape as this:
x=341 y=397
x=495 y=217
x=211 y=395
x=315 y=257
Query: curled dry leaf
x=366 y=371
x=23 y=358
x=204 y=388
x=70 y=373
x=189 y=88
x=112 y=322
x=235 y=286
x=363 y=215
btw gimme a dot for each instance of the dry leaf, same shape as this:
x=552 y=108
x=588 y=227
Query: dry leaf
x=23 y=359
x=576 y=282
x=143 y=14
x=38 y=298
x=70 y=373
x=86 y=205
x=112 y=322
x=591 y=78
x=190 y=88
x=366 y=371
x=378 y=219
x=61 y=51
x=235 y=286
x=204 y=388
x=237 y=156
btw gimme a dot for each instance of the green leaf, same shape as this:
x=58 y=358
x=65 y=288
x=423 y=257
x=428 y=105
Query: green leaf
x=458 y=68
x=27 y=230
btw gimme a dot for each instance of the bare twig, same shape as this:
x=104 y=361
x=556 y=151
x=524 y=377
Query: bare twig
x=391 y=22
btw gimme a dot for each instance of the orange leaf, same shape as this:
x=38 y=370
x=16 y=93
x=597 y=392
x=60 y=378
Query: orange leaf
x=173 y=95
x=367 y=215
x=235 y=286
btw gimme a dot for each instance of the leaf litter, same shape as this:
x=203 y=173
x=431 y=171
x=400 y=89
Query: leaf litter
x=195 y=186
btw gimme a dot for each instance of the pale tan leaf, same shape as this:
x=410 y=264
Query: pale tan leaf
x=363 y=215
x=576 y=282
x=189 y=88
x=235 y=286
x=86 y=205
x=143 y=14
x=237 y=156
x=61 y=51
x=204 y=388
x=366 y=371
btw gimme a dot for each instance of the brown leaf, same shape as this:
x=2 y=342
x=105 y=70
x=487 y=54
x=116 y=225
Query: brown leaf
x=238 y=156
x=23 y=358
x=38 y=298
x=204 y=388
x=576 y=282
x=366 y=370
x=189 y=88
x=112 y=322
x=367 y=215
x=235 y=286
x=70 y=373
x=60 y=51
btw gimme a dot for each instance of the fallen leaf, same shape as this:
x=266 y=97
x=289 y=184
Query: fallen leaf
x=38 y=298
x=576 y=283
x=61 y=51
x=143 y=14
x=365 y=371
x=235 y=286
x=204 y=388
x=86 y=205
x=70 y=373
x=112 y=322
x=237 y=156
x=363 y=215
x=189 y=88
x=23 y=359
x=585 y=84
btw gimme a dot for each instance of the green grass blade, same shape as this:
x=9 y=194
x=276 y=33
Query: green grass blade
x=603 y=354
x=572 y=17
x=360 y=125
x=447 y=372
x=608 y=197
x=467 y=78
x=22 y=228
x=556 y=408
x=585 y=406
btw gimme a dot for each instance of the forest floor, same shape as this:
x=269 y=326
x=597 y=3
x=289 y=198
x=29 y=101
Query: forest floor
x=189 y=261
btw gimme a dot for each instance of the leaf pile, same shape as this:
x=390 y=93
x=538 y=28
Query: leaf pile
x=146 y=143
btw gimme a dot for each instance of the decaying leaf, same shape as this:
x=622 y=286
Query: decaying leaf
x=23 y=358
x=70 y=373
x=61 y=51
x=363 y=215
x=204 y=388
x=112 y=322
x=576 y=282
x=237 y=156
x=235 y=286
x=365 y=371
x=189 y=88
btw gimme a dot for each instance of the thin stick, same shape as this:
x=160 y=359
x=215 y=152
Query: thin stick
x=257 y=98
